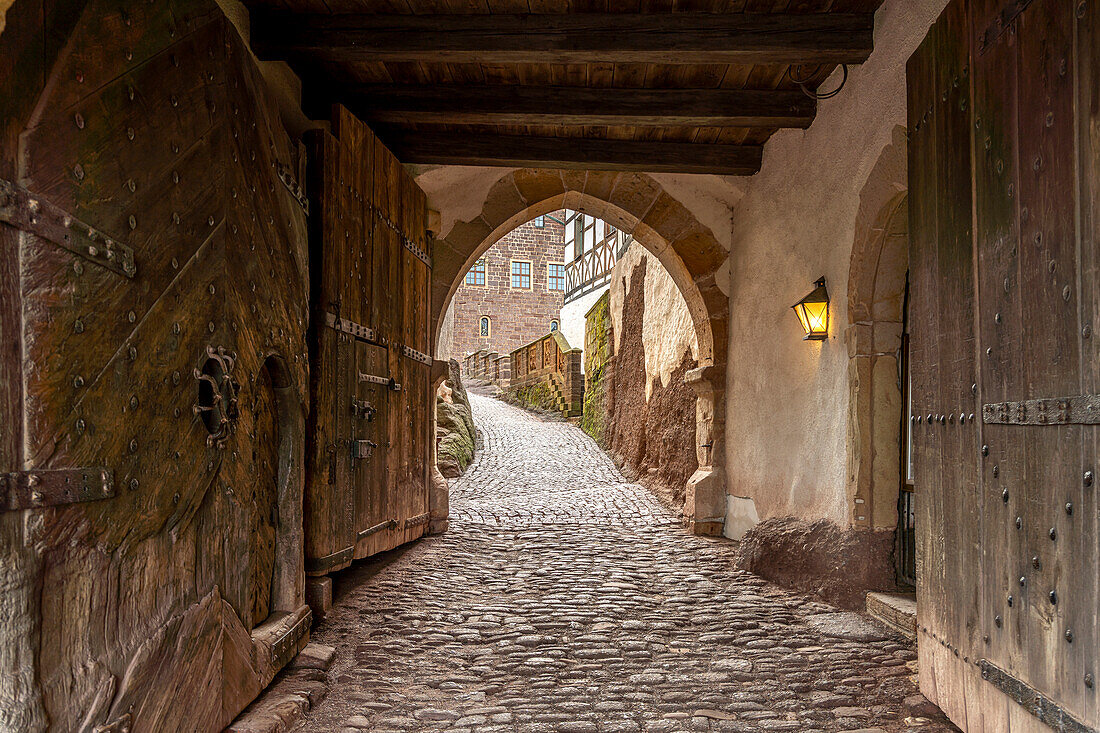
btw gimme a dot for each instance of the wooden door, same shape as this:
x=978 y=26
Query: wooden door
x=1003 y=172
x=263 y=502
x=147 y=206
x=367 y=487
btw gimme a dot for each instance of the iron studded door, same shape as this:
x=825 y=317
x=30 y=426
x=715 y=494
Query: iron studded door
x=160 y=262
x=1005 y=267
x=367 y=211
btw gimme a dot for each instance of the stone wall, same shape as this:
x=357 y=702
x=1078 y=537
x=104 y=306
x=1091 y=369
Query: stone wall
x=667 y=331
x=546 y=373
x=649 y=409
x=574 y=315
x=517 y=316
x=598 y=343
x=455 y=432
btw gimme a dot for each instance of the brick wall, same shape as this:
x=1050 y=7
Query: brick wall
x=517 y=316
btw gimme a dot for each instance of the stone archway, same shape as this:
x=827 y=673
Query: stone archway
x=876 y=308
x=689 y=251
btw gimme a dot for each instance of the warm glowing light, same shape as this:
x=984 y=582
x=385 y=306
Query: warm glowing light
x=813 y=313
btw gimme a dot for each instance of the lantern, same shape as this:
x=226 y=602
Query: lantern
x=813 y=313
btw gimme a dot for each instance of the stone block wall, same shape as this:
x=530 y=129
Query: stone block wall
x=551 y=361
x=488 y=366
x=517 y=315
x=598 y=352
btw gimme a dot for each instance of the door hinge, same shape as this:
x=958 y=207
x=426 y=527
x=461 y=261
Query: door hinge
x=53 y=487
x=29 y=213
x=417 y=520
x=291 y=183
x=415 y=355
x=350 y=327
x=285 y=645
x=407 y=243
x=388 y=524
x=1033 y=701
x=385 y=381
x=1078 y=410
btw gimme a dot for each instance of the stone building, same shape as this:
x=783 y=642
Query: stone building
x=512 y=294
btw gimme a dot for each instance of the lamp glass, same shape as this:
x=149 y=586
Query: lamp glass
x=813 y=313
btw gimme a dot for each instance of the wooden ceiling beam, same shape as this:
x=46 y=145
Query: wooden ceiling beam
x=452 y=104
x=659 y=38
x=459 y=148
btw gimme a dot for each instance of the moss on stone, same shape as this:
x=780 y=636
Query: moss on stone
x=454 y=426
x=533 y=397
x=597 y=352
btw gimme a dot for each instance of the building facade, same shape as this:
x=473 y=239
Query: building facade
x=592 y=247
x=513 y=294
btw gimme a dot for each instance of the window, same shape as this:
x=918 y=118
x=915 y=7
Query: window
x=484 y=327
x=540 y=221
x=521 y=275
x=553 y=326
x=555 y=276
x=476 y=275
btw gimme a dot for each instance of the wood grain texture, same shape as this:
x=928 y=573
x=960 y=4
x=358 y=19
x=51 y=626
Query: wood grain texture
x=1007 y=524
x=556 y=105
x=570 y=48
x=446 y=148
x=685 y=38
x=366 y=204
x=167 y=141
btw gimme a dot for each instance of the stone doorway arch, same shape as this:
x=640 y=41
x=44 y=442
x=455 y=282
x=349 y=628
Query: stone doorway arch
x=638 y=204
x=876 y=310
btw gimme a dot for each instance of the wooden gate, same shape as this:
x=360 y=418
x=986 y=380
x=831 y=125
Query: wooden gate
x=367 y=488
x=1004 y=125
x=154 y=259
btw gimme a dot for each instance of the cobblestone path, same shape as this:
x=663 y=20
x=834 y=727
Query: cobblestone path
x=563 y=599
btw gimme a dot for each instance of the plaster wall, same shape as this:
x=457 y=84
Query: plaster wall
x=787 y=399
x=5 y=5
x=667 y=330
x=573 y=318
x=445 y=350
x=459 y=194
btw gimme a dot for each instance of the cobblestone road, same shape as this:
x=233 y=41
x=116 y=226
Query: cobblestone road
x=566 y=600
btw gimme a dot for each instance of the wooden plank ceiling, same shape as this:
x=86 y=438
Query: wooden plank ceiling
x=691 y=86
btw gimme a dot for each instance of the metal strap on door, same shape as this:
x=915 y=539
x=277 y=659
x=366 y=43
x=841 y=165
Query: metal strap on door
x=1079 y=410
x=407 y=243
x=384 y=381
x=29 y=213
x=410 y=353
x=343 y=325
x=1035 y=702
x=53 y=487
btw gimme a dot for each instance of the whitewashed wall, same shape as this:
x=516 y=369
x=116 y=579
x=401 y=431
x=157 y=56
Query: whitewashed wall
x=787 y=399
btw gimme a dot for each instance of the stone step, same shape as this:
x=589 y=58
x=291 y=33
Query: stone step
x=300 y=687
x=896 y=610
